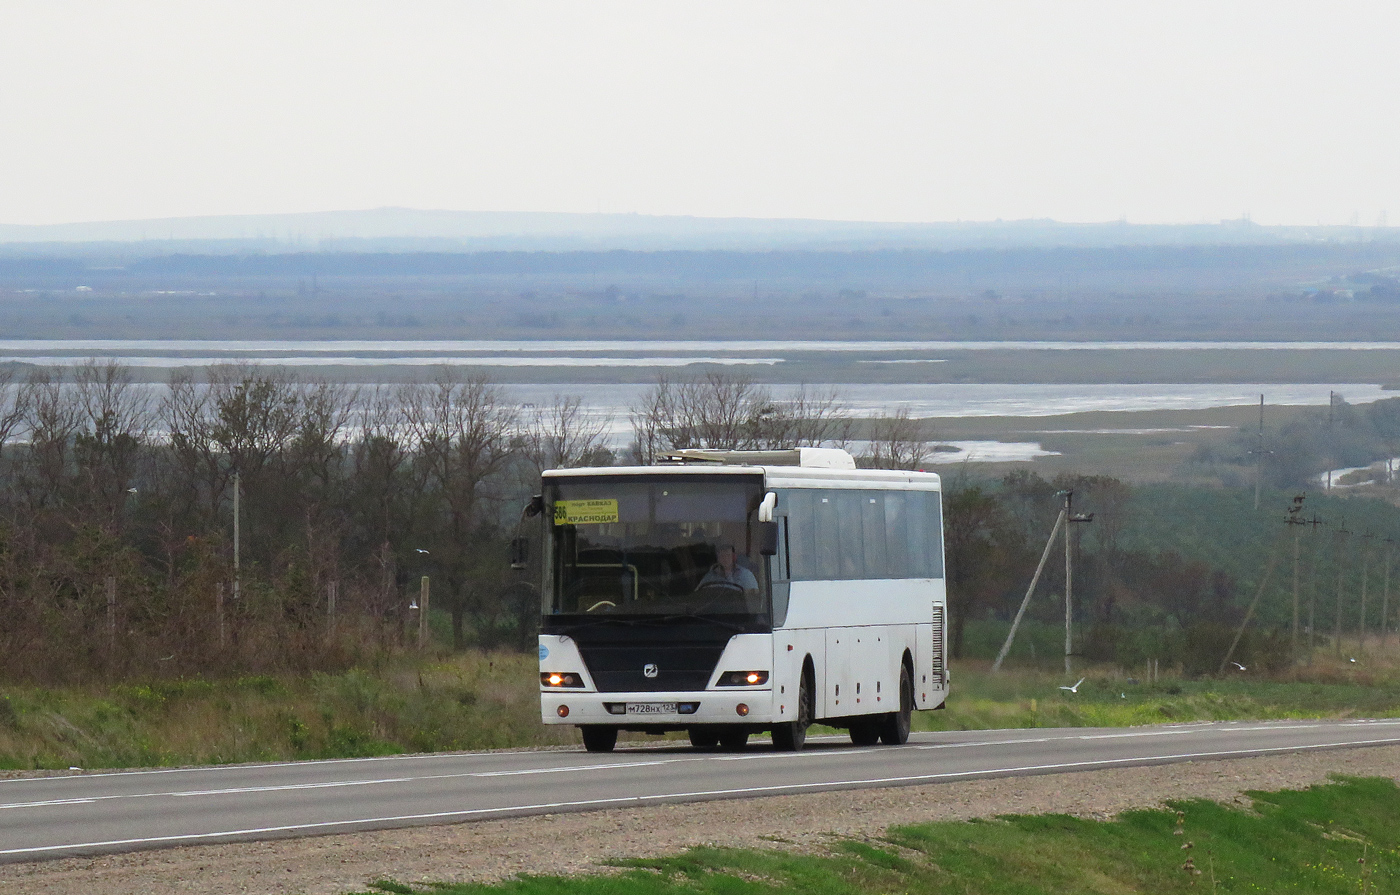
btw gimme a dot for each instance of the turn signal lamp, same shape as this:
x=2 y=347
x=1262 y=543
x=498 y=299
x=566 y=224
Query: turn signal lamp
x=741 y=709
x=743 y=678
x=555 y=679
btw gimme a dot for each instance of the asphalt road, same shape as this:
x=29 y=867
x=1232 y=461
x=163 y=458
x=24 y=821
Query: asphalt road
x=94 y=813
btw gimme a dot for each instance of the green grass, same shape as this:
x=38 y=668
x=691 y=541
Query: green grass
x=468 y=701
x=1311 y=840
x=478 y=700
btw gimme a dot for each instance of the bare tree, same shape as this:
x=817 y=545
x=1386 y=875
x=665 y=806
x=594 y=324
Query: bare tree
x=51 y=416
x=12 y=404
x=462 y=431
x=806 y=419
x=896 y=442
x=114 y=423
x=562 y=434
x=730 y=411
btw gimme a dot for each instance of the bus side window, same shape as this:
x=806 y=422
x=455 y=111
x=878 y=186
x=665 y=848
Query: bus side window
x=916 y=530
x=935 y=533
x=872 y=513
x=896 y=537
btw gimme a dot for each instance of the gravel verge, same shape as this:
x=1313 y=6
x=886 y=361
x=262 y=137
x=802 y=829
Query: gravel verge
x=582 y=843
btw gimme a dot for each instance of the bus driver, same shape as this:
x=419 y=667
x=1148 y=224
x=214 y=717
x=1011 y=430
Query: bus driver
x=726 y=572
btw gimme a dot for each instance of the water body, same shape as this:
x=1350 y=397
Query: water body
x=217 y=347
x=998 y=399
x=172 y=361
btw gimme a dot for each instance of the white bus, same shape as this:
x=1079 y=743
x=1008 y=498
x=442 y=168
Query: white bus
x=726 y=593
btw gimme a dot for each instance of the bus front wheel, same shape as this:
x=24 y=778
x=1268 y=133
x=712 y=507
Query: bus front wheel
x=599 y=739
x=792 y=735
x=895 y=730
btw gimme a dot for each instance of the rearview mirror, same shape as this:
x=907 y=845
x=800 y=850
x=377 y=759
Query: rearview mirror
x=519 y=553
x=768 y=538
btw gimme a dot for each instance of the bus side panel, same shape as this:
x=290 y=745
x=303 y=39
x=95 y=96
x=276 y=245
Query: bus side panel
x=839 y=643
x=833 y=604
x=790 y=650
x=925 y=697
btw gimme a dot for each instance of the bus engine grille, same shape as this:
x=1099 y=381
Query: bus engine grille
x=623 y=667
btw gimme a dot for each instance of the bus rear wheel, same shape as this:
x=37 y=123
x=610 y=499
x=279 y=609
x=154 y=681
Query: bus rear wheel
x=598 y=739
x=792 y=736
x=865 y=733
x=895 y=729
x=703 y=737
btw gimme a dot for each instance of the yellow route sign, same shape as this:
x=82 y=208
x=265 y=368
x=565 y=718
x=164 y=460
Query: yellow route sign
x=585 y=512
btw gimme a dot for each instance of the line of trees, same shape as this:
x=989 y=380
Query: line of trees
x=117 y=507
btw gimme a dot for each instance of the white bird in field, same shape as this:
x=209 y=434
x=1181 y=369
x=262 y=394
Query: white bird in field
x=1075 y=688
x=1238 y=665
x=1351 y=660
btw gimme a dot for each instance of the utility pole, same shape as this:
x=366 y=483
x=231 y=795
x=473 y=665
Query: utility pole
x=1331 y=402
x=1385 y=599
x=1295 y=519
x=1365 y=576
x=1069 y=584
x=1035 y=579
x=1312 y=590
x=1070 y=518
x=237 y=514
x=1341 y=569
x=1259 y=453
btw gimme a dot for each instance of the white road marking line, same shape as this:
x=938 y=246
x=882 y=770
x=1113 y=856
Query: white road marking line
x=763 y=756
x=332 y=784
x=699 y=794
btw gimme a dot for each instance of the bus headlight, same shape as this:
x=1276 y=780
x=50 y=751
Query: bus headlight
x=557 y=679
x=743 y=679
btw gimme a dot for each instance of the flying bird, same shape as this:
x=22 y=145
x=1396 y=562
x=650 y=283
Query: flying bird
x=420 y=550
x=1075 y=688
x=1238 y=665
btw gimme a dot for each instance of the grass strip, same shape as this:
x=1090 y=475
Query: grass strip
x=478 y=700
x=1339 y=837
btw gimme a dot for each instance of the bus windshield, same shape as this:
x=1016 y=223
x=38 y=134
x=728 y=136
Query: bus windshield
x=655 y=546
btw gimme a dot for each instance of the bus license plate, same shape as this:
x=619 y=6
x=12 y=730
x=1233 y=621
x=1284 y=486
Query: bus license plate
x=651 y=708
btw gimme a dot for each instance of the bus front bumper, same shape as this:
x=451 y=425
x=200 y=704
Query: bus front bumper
x=661 y=710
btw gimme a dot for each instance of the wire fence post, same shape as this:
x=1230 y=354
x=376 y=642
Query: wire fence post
x=423 y=612
x=111 y=614
x=219 y=613
x=332 y=588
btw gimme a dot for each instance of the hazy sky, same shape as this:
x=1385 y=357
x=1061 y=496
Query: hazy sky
x=927 y=111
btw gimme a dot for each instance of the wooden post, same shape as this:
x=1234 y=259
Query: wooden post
x=331 y=588
x=219 y=612
x=423 y=613
x=111 y=614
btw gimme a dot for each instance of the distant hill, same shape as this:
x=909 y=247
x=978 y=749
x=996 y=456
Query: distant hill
x=394 y=230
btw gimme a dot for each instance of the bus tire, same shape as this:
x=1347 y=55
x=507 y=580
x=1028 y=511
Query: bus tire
x=792 y=736
x=865 y=733
x=597 y=738
x=895 y=729
x=733 y=739
x=705 y=738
